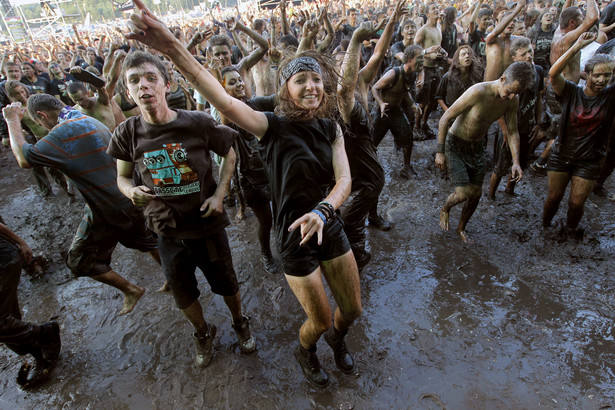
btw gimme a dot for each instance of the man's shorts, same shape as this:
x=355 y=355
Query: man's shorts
x=303 y=260
x=466 y=161
x=431 y=79
x=94 y=243
x=586 y=169
x=211 y=254
x=554 y=110
x=255 y=195
x=503 y=160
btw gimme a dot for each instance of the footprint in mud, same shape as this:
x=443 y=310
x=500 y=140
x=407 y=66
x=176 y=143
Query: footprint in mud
x=430 y=399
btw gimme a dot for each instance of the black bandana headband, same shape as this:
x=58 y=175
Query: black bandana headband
x=297 y=65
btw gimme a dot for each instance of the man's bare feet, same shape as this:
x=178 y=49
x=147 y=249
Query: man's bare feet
x=444 y=220
x=464 y=236
x=164 y=288
x=131 y=299
x=240 y=215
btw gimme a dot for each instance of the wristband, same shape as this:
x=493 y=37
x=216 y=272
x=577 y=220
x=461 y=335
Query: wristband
x=440 y=148
x=320 y=214
x=329 y=207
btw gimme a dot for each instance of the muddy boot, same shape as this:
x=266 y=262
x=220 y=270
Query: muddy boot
x=245 y=340
x=427 y=132
x=50 y=341
x=204 y=346
x=311 y=366
x=379 y=223
x=343 y=358
x=269 y=264
x=362 y=257
x=32 y=375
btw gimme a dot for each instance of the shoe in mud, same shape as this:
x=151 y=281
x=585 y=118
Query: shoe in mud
x=311 y=367
x=539 y=166
x=33 y=375
x=427 y=132
x=343 y=358
x=204 y=346
x=362 y=258
x=379 y=223
x=245 y=340
x=51 y=343
x=270 y=264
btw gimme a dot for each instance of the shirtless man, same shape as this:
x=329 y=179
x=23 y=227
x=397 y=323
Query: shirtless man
x=572 y=25
x=428 y=36
x=102 y=106
x=220 y=49
x=392 y=93
x=498 y=44
x=461 y=137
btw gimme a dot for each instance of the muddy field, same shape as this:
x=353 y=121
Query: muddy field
x=521 y=319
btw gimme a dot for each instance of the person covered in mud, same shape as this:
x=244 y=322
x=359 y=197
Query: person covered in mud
x=19 y=92
x=41 y=341
x=367 y=173
x=528 y=118
x=395 y=108
x=295 y=143
x=75 y=145
x=183 y=204
x=580 y=147
x=101 y=106
x=465 y=71
x=251 y=173
x=461 y=142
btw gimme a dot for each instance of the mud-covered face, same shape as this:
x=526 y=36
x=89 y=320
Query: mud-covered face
x=416 y=64
x=547 y=19
x=353 y=17
x=484 y=22
x=223 y=54
x=507 y=91
x=600 y=77
x=28 y=71
x=409 y=32
x=147 y=87
x=465 y=58
x=524 y=54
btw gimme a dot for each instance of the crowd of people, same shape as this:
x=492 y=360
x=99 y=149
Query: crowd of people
x=289 y=105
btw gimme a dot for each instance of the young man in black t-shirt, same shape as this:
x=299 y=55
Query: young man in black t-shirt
x=580 y=147
x=181 y=200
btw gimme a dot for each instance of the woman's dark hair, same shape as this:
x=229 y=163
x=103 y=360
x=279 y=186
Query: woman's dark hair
x=450 y=13
x=476 y=68
x=597 y=59
x=328 y=106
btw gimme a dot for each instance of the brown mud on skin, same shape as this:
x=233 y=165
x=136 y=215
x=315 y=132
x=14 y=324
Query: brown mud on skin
x=520 y=319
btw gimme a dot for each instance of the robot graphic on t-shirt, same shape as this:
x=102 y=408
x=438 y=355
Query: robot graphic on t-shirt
x=170 y=171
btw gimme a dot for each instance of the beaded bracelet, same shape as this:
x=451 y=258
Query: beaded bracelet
x=440 y=148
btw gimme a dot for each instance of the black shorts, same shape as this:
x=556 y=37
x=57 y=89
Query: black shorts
x=586 y=169
x=431 y=79
x=181 y=257
x=503 y=157
x=303 y=260
x=466 y=161
x=94 y=243
x=255 y=195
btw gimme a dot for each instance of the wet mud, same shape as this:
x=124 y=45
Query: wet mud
x=523 y=318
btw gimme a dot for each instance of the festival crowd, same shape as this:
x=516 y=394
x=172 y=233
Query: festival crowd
x=288 y=104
